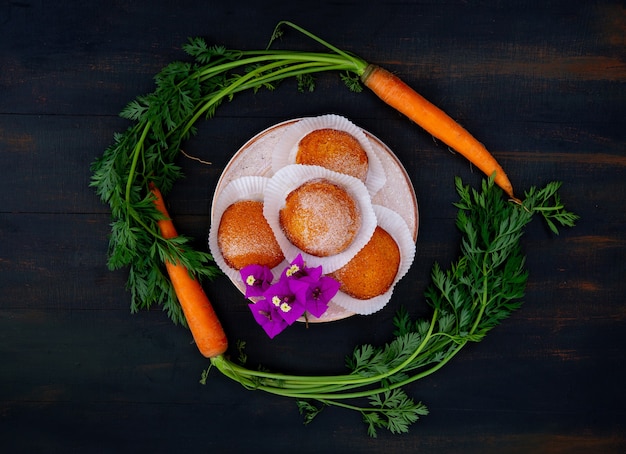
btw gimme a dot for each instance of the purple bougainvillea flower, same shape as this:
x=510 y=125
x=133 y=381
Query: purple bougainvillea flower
x=295 y=269
x=266 y=314
x=257 y=279
x=299 y=290
x=319 y=294
x=298 y=270
x=289 y=297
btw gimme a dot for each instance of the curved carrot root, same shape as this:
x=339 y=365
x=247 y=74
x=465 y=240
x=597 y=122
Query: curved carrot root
x=204 y=325
x=393 y=91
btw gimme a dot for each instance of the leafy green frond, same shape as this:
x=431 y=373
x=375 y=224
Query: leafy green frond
x=242 y=355
x=392 y=410
x=547 y=202
x=308 y=410
x=204 y=54
x=134 y=110
x=360 y=357
x=306 y=82
x=352 y=82
x=402 y=322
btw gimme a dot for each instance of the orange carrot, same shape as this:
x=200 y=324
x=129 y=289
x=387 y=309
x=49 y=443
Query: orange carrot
x=205 y=327
x=404 y=99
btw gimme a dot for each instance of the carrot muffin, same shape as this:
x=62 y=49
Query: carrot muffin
x=372 y=270
x=245 y=238
x=320 y=217
x=335 y=150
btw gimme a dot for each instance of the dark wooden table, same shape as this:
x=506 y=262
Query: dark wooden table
x=542 y=84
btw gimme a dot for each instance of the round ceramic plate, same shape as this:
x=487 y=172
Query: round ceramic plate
x=254 y=158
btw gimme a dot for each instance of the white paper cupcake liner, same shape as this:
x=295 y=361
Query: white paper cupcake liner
x=243 y=188
x=395 y=225
x=287 y=147
x=291 y=177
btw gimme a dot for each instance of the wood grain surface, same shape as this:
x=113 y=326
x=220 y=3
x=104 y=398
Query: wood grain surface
x=541 y=84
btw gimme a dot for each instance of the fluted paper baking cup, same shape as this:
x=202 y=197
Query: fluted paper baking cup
x=290 y=177
x=243 y=188
x=395 y=225
x=286 y=149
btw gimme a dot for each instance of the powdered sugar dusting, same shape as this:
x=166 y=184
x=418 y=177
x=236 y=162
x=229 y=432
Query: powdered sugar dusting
x=320 y=218
x=291 y=177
